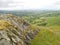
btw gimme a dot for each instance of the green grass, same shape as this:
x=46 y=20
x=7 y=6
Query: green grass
x=50 y=34
x=53 y=21
x=47 y=36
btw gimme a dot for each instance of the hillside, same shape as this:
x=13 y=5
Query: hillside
x=18 y=31
x=15 y=30
x=47 y=36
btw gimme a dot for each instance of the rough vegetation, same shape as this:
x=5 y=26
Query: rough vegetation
x=47 y=36
x=15 y=30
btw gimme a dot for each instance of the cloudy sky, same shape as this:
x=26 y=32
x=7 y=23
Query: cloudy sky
x=29 y=4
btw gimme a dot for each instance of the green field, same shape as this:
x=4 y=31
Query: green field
x=53 y=21
x=49 y=34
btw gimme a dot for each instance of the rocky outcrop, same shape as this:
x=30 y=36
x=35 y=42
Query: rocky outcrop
x=15 y=30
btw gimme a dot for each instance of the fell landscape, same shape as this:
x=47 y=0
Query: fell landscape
x=42 y=28
x=29 y=22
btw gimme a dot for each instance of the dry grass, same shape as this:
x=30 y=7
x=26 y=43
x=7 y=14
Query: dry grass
x=4 y=24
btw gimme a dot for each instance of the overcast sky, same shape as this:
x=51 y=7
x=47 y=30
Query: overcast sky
x=29 y=4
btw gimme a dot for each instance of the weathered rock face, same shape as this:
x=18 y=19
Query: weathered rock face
x=16 y=31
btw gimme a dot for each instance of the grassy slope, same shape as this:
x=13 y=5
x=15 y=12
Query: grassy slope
x=49 y=35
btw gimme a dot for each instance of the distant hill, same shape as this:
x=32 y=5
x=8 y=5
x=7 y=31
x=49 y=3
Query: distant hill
x=44 y=13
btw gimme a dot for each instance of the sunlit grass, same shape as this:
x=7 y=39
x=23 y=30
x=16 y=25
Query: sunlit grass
x=47 y=36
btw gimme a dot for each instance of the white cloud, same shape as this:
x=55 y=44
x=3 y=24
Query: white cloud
x=27 y=4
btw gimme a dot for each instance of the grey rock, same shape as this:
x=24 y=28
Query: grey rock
x=17 y=33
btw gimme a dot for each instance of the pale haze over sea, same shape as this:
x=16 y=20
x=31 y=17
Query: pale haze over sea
x=29 y=4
